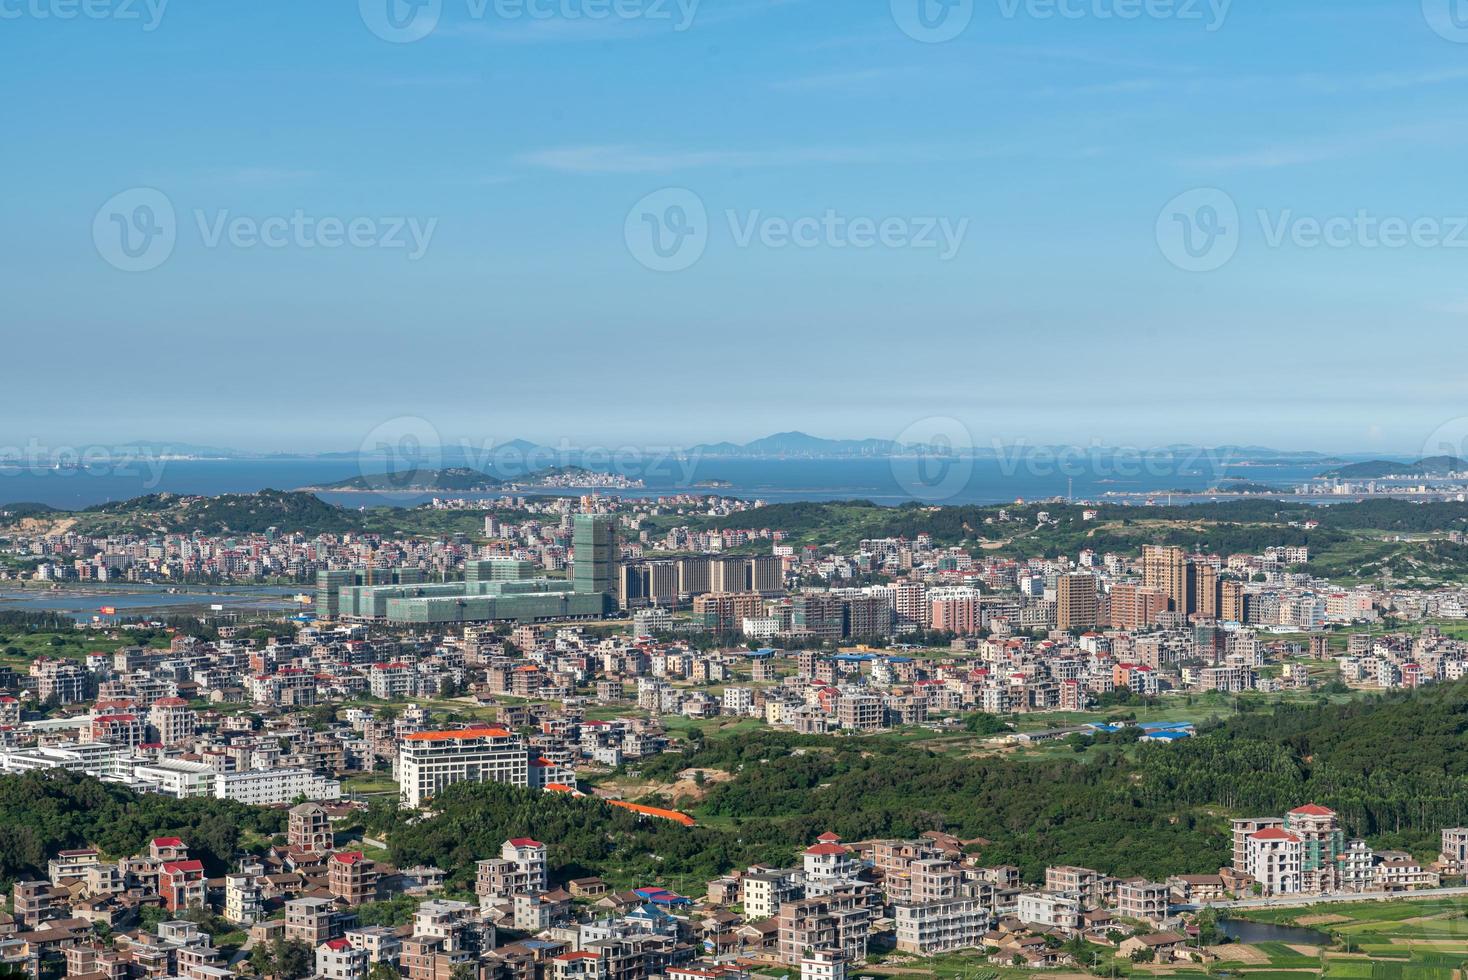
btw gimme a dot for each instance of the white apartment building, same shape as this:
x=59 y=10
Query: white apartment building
x=392 y=682
x=242 y=899
x=762 y=892
x=93 y=758
x=1051 y=910
x=172 y=719
x=340 y=960
x=943 y=926
x=429 y=762
x=738 y=701
x=520 y=868
x=177 y=778
x=761 y=627
x=823 y=964
x=1273 y=857
x=267 y=787
x=828 y=864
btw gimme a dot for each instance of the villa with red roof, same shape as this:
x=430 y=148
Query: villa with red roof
x=181 y=884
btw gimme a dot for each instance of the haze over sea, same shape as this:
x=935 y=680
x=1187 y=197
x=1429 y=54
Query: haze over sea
x=883 y=481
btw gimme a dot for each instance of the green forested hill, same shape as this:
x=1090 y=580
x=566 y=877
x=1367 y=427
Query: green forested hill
x=1394 y=767
x=41 y=813
x=239 y=513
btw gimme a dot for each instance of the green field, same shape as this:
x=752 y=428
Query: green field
x=19 y=647
x=368 y=784
x=1396 y=940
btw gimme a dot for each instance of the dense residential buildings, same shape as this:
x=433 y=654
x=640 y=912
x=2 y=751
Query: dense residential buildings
x=467 y=663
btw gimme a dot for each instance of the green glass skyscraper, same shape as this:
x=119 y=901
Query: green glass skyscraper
x=594 y=541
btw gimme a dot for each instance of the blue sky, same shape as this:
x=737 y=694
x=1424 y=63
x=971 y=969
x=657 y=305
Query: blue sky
x=520 y=147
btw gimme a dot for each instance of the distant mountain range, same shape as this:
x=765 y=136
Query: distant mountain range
x=518 y=456
x=1379 y=469
x=801 y=444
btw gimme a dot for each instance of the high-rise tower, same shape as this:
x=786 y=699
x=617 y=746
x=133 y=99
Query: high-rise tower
x=594 y=540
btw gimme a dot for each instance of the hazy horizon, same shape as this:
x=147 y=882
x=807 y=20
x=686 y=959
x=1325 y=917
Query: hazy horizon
x=279 y=227
x=393 y=431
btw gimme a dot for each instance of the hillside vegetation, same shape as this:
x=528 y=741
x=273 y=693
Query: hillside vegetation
x=41 y=813
x=1393 y=766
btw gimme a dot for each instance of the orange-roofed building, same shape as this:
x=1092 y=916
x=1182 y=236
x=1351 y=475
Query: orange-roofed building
x=430 y=762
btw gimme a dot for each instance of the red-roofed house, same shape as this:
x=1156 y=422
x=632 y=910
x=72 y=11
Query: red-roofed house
x=352 y=877
x=577 y=966
x=520 y=868
x=168 y=849
x=338 y=959
x=181 y=884
x=1313 y=810
x=827 y=863
x=1273 y=857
